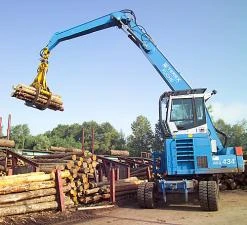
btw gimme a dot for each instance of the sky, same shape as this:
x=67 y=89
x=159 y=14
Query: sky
x=104 y=77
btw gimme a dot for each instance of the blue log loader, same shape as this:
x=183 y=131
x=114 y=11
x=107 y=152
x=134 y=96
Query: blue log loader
x=193 y=154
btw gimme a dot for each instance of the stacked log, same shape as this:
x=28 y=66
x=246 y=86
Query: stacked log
x=7 y=143
x=140 y=172
x=95 y=193
x=82 y=179
x=30 y=192
x=41 y=100
x=127 y=186
x=101 y=191
x=62 y=149
x=233 y=181
x=119 y=153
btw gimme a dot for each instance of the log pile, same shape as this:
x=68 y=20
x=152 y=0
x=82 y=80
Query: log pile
x=41 y=100
x=140 y=172
x=234 y=181
x=83 y=173
x=31 y=192
x=96 y=192
x=127 y=186
x=7 y=143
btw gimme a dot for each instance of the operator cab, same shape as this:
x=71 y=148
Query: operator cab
x=185 y=111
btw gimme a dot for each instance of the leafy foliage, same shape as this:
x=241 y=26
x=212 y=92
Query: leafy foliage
x=237 y=133
x=141 y=139
x=20 y=134
x=107 y=137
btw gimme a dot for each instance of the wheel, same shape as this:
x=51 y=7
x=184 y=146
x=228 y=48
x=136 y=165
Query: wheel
x=203 y=195
x=213 y=196
x=141 y=195
x=149 y=195
x=209 y=195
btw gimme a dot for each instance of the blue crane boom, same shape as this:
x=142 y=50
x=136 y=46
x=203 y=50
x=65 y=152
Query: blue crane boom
x=126 y=20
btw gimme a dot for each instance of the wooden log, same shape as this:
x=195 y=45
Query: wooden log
x=7 y=143
x=88 y=160
x=104 y=190
x=21 y=209
x=63 y=174
x=21 y=175
x=84 y=180
x=48 y=198
x=32 y=91
x=41 y=102
x=63 y=149
x=106 y=196
x=99 y=184
x=26 y=179
x=57 y=149
x=94 y=157
x=119 y=152
x=90 y=199
x=14 y=197
x=28 y=93
x=86 y=186
x=94 y=164
x=130 y=179
x=54 y=156
x=73 y=192
x=27 y=187
x=91 y=191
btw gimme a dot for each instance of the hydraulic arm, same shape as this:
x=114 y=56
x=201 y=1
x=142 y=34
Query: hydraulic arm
x=126 y=21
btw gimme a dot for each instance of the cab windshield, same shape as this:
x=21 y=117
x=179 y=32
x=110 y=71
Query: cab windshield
x=187 y=113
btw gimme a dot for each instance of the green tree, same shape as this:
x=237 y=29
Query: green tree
x=141 y=139
x=158 y=142
x=120 y=143
x=41 y=142
x=106 y=136
x=20 y=133
x=236 y=134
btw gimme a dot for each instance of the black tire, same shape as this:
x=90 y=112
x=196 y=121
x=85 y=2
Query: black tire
x=203 y=195
x=213 y=196
x=141 y=195
x=149 y=195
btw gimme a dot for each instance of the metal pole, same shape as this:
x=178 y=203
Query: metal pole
x=9 y=126
x=59 y=187
x=112 y=185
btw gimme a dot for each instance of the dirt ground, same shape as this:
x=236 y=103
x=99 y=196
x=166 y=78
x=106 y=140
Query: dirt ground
x=233 y=211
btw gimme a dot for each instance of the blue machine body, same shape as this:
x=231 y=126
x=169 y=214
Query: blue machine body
x=189 y=155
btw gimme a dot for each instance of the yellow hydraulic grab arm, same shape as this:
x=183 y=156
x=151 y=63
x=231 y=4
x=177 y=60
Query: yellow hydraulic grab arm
x=40 y=82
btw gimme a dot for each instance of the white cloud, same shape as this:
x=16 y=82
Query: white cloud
x=230 y=113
